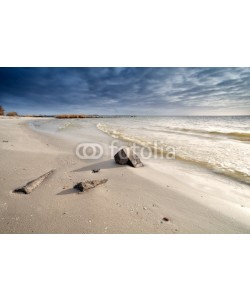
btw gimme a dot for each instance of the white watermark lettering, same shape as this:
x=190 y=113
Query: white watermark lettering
x=156 y=150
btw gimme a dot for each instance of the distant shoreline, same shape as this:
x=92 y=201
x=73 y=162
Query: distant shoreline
x=81 y=116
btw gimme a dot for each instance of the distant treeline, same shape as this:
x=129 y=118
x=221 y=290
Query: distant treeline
x=1 y=111
x=9 y=114
x=75 y=116
x=62 y=116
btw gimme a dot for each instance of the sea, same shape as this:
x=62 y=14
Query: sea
x=220 y=143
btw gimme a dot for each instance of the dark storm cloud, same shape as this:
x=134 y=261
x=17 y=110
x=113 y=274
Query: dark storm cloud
x=126 y=90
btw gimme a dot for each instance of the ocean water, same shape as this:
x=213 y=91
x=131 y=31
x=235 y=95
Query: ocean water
x=220 y=144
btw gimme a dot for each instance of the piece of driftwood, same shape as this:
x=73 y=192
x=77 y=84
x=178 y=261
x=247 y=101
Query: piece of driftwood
x=89 y=184
x=126 y=156
x=30 y=186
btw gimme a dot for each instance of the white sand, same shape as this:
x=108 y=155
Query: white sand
x=132 y=201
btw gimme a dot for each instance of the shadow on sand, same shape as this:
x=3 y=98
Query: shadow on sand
x=68 y=191
x=108 y=164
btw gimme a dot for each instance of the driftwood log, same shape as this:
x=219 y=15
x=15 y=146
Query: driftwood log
x=30 y=186
x=89 y=184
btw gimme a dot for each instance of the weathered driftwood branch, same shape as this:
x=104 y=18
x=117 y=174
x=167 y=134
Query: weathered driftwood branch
x=30 y=186
x=88 y=184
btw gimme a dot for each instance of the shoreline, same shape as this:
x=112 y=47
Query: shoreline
x=132 y=201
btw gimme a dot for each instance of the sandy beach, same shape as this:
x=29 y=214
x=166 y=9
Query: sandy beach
x=134 y=200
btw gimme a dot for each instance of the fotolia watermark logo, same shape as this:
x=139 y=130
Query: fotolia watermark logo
x=156 y=150
x=89 y=151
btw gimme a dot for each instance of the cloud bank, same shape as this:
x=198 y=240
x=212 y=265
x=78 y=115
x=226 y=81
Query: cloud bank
x=161 y=91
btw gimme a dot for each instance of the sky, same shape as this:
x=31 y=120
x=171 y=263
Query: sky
x=136 y=91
